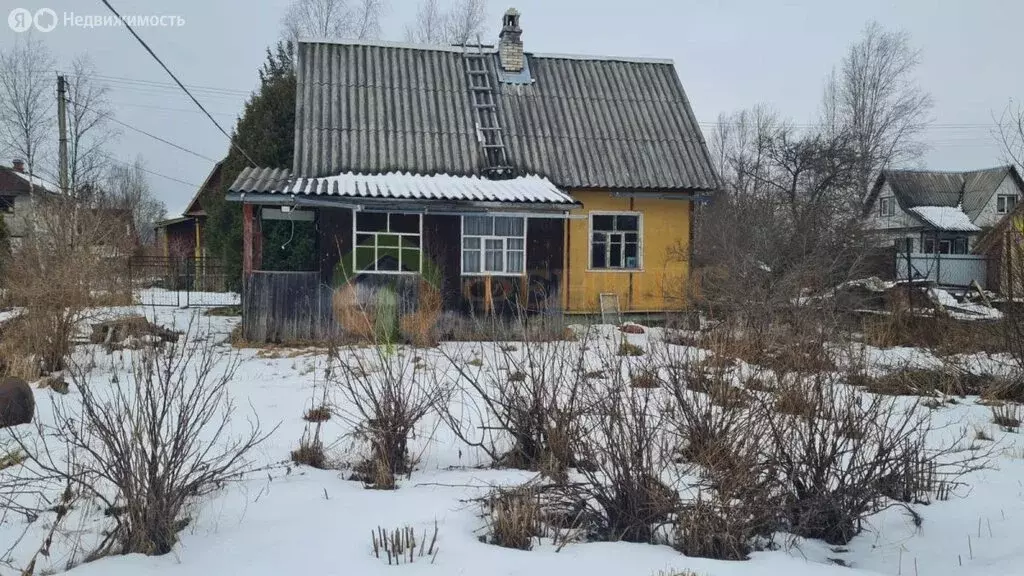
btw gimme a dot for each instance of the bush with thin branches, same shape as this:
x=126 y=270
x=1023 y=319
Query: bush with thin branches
x=154 y=438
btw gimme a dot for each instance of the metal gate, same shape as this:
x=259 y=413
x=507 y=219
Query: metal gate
x=181 y=282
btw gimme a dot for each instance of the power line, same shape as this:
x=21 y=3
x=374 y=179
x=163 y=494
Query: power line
x=109 y=116
x=178 y=82
x=147 y=170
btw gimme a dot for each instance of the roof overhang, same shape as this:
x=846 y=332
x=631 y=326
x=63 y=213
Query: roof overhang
x=410 y=192
x=437 y=207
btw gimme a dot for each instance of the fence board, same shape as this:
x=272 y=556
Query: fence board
x=944 y=269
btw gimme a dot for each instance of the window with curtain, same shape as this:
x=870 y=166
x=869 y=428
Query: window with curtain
x=493 y=245
x=388 y=243
x=615 y=241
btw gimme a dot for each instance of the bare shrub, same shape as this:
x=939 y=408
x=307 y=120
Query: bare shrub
x=625 y=497
x=383 y=396
x=420 y=327
x=71 y=258
x=1006 y=417
x=150 y=441
x=534 y=423
x=400 y=546
x=708 y=530
x=834 y=466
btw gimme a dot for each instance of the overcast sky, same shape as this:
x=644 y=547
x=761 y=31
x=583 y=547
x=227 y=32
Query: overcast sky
x=730 y=54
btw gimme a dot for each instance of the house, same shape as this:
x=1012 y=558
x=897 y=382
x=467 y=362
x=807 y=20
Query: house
x=1002 y=246
x=19 y=192
x=934 y=219
x=183 y=238
x=557 y=182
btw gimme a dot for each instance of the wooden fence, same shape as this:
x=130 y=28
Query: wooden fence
x=297 y=307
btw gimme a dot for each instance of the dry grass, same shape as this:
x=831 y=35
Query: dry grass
x=320 y=413
x=798 y=400
x=310 y=453
x=909 y=381
x=513 y=517
x=420 y=327
x=703 y=530
x=646 y=378
x=629 y=349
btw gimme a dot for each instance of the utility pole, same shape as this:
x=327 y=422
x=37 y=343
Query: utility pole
x=62 y=126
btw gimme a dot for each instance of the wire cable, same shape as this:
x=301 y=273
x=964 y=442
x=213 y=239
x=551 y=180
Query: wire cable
x=178 y=82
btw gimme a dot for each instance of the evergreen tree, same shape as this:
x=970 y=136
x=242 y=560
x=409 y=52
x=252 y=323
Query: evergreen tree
x=266 y=131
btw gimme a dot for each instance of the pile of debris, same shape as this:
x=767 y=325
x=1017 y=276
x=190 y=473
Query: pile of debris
x=130 y=333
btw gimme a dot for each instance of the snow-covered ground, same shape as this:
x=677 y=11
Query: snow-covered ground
x=288 y=520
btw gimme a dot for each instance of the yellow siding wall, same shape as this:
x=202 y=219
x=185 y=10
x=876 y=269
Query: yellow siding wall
x=662 y=283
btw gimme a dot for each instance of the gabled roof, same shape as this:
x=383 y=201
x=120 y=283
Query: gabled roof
x=970 y=190
x=583 y=122
x=396 y=186
x=195 y=206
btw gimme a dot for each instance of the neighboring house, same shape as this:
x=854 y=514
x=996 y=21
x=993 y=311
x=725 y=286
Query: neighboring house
x=934 y=219
x=1003 y=248
x=184 y=237
x=19 y=193
x=557 y=181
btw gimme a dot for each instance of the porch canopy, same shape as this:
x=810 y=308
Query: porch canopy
x=401 y=191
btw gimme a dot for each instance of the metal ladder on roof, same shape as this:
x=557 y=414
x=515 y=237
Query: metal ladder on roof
x=488 y=127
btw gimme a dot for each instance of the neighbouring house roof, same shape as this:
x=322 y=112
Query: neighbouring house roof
x=19 y=182
x=583 y=122
x=172 y=221
x=211 y=183
x=399 y=186
x=946 y=218
x=971 y=190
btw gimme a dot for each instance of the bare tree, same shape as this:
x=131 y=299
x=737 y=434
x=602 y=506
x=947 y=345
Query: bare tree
x=462 y=23
x=333 y=19
x=27 y=100
x=429 y=25
x=874 y=97
x=465 y=21
x=1010 y=133
x=89 y=130
x=127 y=188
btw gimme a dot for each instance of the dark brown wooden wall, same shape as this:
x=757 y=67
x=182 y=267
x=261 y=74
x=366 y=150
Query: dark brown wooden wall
x=334 y=238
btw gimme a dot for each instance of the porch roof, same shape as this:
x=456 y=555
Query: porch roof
x=402 y=186
x=945 y=218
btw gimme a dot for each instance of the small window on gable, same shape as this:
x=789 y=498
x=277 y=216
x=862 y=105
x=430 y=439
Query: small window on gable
x=1005 y=203
x=887 y=206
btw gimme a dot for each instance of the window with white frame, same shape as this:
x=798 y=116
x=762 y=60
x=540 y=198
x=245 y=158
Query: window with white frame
x=388 y=243
x=887 y=206
x=615 y=241
x=1005 y=203
x=493 y=245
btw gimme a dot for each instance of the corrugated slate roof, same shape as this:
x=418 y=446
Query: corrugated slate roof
x=582 y=123
x=399 y=186
x=969 y=190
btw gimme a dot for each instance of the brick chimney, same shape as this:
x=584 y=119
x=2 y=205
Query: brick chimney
x=510 y=47
x=19 y=165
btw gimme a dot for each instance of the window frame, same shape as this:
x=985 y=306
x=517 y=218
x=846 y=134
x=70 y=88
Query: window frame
x=1003 y=199
x=376 y=243
x=639 y=241
x=887 y=206
x=505 y=250
x=904 y=245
